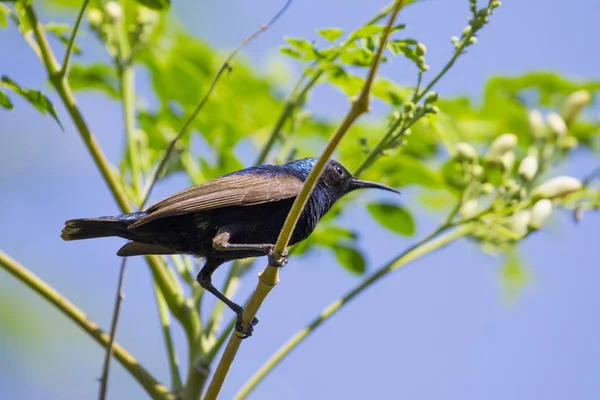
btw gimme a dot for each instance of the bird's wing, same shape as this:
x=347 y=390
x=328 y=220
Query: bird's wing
x=227 y=191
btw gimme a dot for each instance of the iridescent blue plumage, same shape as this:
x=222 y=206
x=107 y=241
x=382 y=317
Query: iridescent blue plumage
x=300 y=168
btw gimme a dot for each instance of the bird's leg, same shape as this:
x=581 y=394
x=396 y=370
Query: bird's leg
x=221 y=243
x=204 y=278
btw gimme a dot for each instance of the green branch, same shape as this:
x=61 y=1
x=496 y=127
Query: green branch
x=422 y=248
x=173 y=296
x=269 y=277
x=149 y=383
x=163 y=312
x=65 y=65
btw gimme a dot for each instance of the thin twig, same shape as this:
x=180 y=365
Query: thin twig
x=113 y=328
x=163 y=312
x=71 y=43
x=226 y=66
x=269 y=277
x=148 y=382
x=127 y=90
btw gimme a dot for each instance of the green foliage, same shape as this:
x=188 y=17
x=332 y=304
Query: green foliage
x=95 y=77
x=330 y=34
x=393 y=217
x=156 y=4
x=62 y=32
x=4 y=14
x=351 y=259
x=33 y=97
x=5 y=101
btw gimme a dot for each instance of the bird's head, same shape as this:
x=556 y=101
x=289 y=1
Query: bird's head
x=335 y=178
x=340 y=181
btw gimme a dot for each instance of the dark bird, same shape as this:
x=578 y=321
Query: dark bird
x=238 y=215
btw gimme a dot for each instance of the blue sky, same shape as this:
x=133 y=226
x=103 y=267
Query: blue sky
x=437 y=330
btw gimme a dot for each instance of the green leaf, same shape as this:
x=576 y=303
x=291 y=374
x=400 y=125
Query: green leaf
x=4 y=13
x=288 y=51
x=331 y=34
x=393 y=217
x=351 y=259
x=94 y=77
x=5 y=101
x=357 y=57
x=20 y=18
x=302 y=45
x=349 y=84
x=34 y=97
x=367 y=30
x=156 y=4
x=398 y=27
x=63 y=33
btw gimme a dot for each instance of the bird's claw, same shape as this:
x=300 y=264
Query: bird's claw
x=246 y=333
x=277 y=260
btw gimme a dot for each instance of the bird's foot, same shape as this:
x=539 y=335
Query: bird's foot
x=246 y=332
x=277 y=260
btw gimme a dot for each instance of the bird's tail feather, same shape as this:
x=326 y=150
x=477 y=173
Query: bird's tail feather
x=88 y=228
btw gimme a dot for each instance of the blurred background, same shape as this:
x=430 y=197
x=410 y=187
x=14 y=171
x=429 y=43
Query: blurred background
x=444 y=328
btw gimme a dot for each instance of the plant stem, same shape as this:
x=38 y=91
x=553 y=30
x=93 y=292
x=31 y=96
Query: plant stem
x=173 y=295
x=127 y=87
x=113 y=329
x=428 y=245
x=269 y=277
x=165 y=321
x=154 y=389
x=65 y=65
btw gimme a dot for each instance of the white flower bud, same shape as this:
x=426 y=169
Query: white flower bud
x=520 y=222
x=478 y=171
x=114 y=12
x=557 y=124
x=573 y=105
x=500 y=146
x=511 y=186
x=536 y=123
x=94 y=17
x=508 y=161
x=528 y=168
x=464 y=151
x=469 y=208
x=540 y=212
x=487 y=188
x=556 y=187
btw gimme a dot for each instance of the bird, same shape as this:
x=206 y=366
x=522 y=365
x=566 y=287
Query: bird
x=238 y=215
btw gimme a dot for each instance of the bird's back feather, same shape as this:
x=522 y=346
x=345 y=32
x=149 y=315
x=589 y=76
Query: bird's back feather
x=240 y=189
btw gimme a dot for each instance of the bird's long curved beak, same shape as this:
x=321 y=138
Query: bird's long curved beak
x=358 y=184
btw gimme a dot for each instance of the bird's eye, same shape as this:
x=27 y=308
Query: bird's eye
x=339 y=170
